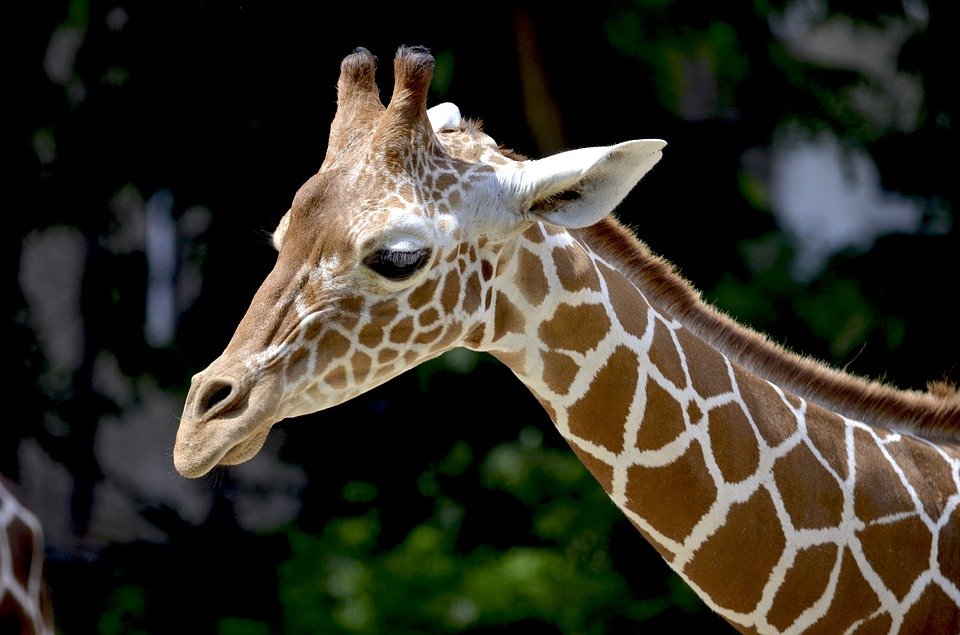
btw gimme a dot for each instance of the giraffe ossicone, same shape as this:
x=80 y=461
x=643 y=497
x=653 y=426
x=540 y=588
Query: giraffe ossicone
x=789 y=495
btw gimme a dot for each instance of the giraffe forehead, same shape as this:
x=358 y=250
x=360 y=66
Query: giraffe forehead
x=353 y=209
x=469 y=144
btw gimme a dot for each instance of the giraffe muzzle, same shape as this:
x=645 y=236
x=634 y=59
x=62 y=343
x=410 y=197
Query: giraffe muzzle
x=225 y=420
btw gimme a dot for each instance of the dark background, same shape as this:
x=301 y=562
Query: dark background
x=443 y=501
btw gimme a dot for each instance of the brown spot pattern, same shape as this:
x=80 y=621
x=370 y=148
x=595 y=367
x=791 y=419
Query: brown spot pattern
x=926 y=471
x=370 y=335
x=812 y=497
x=601 y=414
x=386 y=355
x=948 y=554
x=600 y=470
x=933 y=612
x=451 y=335
x=750 y=543
x=553 y=230
x=402 y=330
x=628 y=304
x=476 y=335
x=428 y=317
x=332 y=346
x=428 y=336
x=534 y=234
x=708 y=369
x=446 y=180
x=313 y=329
x=507 y=318
x=665 y=357
x=361 y=363
x=337 y=377
x=854 y=600
x=774 y=419
x=898 y=552
x=826 y=432
x=350 y=312
x=515 y=362
x=423 y=293
x=578 y=328
x=559 y=371
x=530 y=277
x=804 y=583
x=662 y=419
x=733 y=442
x=551 y=412
x=473 y=293
x=486 y=270
x=575 y=269
x=878 y=491
x=385 y=309
x=672 y=516
x=297 y=364
x=877 y=625
x=450 y=293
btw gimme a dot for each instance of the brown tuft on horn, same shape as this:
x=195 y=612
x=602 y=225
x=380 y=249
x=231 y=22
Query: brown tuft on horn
x=412 y=72
x=358 y=103
x=405 y=128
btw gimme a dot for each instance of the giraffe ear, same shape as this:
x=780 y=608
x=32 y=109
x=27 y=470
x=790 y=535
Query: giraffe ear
x=577 y=188
x=445 y=116
x=280 y=231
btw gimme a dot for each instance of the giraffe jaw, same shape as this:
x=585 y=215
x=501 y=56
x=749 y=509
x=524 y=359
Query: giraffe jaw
x=245 y=449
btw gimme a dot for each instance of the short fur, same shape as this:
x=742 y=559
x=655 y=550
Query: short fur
x=934 y=414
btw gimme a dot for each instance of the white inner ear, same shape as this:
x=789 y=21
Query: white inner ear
x=281 y=231
x=579 y=187
x=445 y=116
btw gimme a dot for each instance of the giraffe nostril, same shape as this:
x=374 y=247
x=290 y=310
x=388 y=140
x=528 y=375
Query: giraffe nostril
x=216 y=392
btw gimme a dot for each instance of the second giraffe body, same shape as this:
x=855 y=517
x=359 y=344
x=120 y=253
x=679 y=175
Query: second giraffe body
x=791 y=497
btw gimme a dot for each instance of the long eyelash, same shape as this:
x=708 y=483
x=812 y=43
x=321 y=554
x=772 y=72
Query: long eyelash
x=400 y=258
x=398 y=265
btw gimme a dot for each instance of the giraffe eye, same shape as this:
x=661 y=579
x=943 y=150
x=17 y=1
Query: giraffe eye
x=397 y=265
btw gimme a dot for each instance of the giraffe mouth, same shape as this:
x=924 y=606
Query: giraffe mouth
x=245 y=449
x=195 y=453
x=230 y=431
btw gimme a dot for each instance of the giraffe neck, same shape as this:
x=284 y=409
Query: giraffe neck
x=769 y=506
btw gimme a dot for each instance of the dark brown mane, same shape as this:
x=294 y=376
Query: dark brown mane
x=934 y=414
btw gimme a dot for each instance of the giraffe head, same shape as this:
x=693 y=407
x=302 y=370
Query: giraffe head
x=388 y=256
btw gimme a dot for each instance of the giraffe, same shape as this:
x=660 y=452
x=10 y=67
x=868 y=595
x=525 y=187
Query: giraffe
x=790 y=496
x=24 y=603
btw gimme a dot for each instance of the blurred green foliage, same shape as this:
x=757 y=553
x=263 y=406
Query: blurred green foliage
x=347 y=580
